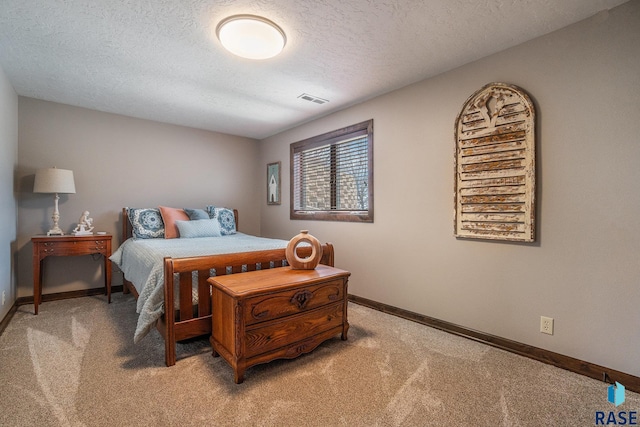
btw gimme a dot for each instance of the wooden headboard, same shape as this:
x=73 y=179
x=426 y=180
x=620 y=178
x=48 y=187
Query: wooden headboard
x=127 y=229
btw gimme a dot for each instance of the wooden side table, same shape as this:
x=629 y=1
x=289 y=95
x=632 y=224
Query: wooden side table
x=276 y=313
x=45 y=246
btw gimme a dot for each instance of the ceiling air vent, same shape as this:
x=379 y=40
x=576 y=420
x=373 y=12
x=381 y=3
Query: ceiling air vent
x=312 y=98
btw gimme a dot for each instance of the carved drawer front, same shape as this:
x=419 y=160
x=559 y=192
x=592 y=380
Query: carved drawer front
x=273 y=306
x=292 y=329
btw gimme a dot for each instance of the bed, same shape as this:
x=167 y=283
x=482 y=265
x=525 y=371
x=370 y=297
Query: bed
x=183 y=311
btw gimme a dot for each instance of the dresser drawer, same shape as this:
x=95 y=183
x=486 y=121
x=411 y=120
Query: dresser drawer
x=273 y=306
x=281 y=333
x=73 y=248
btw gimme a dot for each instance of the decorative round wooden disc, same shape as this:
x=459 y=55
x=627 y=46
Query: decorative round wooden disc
x=312 y=260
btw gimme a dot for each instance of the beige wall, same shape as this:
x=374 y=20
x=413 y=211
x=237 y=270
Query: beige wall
x=584 y=268
x=8 y=218
x=121 y=161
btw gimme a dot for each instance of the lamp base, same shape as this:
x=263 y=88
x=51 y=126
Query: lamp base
x=55 y=231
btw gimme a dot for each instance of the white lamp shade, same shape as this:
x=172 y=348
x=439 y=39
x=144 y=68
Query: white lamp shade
x=54 y=180
x=252 y=37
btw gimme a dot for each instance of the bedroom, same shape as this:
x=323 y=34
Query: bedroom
x=583 y=269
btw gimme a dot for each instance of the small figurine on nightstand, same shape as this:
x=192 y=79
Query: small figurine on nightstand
x=85 y=226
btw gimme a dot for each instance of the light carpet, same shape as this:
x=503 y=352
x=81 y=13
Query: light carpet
x=75 y=364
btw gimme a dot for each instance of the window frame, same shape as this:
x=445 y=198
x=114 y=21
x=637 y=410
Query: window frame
x=333 y=138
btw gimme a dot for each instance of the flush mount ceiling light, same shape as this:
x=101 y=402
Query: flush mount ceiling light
x=250 y=36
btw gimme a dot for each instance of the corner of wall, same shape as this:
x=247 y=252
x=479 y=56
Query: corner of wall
x=8 y=203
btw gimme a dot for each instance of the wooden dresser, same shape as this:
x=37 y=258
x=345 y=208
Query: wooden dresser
x=264 y=315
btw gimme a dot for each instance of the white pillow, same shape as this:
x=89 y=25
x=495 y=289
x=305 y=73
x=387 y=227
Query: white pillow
x=199 y=228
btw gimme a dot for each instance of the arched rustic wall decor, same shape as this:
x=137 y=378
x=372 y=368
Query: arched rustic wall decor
x=495 y=165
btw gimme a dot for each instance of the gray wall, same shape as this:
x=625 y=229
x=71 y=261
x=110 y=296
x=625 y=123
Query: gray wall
x=120 y=161
x=8 y=218
x=584 y=268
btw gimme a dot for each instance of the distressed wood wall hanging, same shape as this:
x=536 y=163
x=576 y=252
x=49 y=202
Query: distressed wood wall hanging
x=495 y=165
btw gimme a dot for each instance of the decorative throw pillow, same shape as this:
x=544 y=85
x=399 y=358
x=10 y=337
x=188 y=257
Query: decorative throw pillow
x=198 y=228
x=196 y=214
x=170 y=216
x=146 y=223
x=225 y=217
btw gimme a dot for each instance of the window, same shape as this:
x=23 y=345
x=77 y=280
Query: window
x=332 y=175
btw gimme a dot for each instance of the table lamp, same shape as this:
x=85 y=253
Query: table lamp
x=54 y=181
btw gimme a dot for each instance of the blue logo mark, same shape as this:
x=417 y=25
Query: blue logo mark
x=615 y=394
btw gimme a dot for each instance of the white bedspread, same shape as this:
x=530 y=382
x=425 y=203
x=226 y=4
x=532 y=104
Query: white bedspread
x=141 y=261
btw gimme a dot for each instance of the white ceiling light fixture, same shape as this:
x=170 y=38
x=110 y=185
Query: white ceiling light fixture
x=250 y=36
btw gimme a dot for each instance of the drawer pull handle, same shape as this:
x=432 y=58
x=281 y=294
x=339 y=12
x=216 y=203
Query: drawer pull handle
x=301 y=298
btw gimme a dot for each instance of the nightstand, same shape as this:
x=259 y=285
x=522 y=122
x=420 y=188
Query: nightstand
x=45 y=246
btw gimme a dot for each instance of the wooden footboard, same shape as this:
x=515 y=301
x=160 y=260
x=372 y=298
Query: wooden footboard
x=193 y=319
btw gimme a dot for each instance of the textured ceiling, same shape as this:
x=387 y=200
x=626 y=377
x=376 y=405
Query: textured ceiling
x=160 y=59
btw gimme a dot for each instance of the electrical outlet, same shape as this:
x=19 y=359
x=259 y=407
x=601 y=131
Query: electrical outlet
x=546 y=325
x=4 y=297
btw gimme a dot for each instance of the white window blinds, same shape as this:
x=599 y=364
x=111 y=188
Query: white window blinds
x=333 y=172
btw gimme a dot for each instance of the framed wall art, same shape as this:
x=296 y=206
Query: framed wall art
x=273 y=183
x=495 y=173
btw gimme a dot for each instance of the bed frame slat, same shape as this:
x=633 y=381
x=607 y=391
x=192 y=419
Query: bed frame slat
x=204 y=294
x=186 y=296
